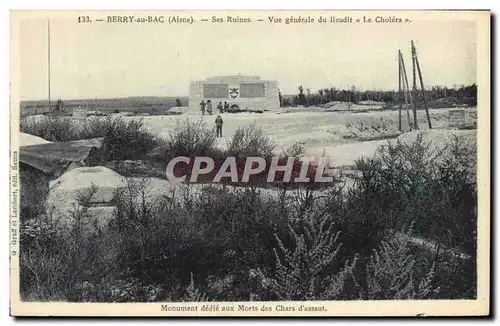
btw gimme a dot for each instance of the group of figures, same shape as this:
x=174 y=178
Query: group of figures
x=208 y=106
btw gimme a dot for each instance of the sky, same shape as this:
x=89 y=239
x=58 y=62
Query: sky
x=103 y=60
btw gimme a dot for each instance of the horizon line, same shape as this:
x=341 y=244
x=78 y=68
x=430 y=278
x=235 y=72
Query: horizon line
x=283 y=94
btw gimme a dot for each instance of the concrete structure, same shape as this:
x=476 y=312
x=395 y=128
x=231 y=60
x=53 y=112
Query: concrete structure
x=245 y=92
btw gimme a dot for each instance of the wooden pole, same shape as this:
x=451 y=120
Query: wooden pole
x=399 y=86
x=414 y=88
x=415 y=125
x=422 y=86
x=414 y=85
x=405 y=89
x=48 y=56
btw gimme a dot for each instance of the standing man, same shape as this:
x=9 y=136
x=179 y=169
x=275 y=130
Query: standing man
x=209 y=107
x=218 y=125
x=202 y=106
x=220 y=107
x=226 y=106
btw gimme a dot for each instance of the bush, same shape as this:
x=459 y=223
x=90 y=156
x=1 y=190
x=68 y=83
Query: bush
x=201 y=233
x=51 y=128
x=391 y=274
x=54 y=261
x=300 y=271
x=34 y=191
x=123 y=140
x=190 y=139
x=250 y=141
x=295 y=150
x=311 y=270
x=435 y=189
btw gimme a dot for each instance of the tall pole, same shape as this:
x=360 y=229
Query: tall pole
x=415 y=125
x=405 y=87
x=414 y=88
x=48 y=56
x=414 y=85
x=422 y=86
x=399 y=86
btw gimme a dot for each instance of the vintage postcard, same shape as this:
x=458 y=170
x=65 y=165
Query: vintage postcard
x=250 y=163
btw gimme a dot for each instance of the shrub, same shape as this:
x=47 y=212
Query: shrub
x=112 y=290
x=43 y=265
x=319 y=254
x=390 y=274
x=123 y=140
x=250 y=141
x=295 y=150
x=300 y=271
x=202 y=233
x=51 y=128
x=456 y=278
x=54 y=260
x=190 y=139
x=193 y=294
x=34 y=191
x=435 y=189
x=310 y=270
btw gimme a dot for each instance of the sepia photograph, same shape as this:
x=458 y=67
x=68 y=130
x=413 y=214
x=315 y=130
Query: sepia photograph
x=250 y=163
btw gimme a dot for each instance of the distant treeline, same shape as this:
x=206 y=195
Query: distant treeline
x=128 y=103
x=463 y=95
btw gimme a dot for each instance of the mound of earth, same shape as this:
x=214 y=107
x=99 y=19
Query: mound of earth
x=330 y=104
x=371 y=103
x=177 y=110
x=370 y=129
x=342 y=106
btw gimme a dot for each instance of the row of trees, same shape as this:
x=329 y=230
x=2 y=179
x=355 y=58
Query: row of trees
x=462 y=95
